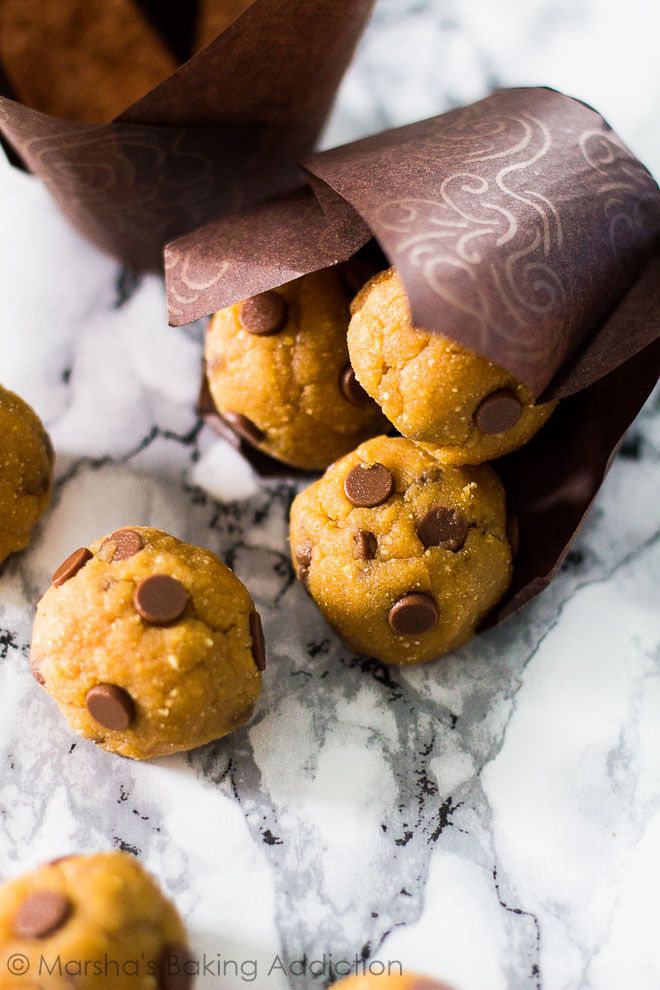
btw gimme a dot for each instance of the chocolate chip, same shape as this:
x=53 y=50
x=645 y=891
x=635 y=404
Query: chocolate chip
x=41 y=914
x=444 y=528
x=37 y=486
x=498 y=412
x=304 y=560
x=413 y=614
x=367 y=486
x=70 y=567
x=263 y=315
x=160 y=599
x=366 y=543
x=50 y=450
x=36 y=671
x=258 y=641
x=110 y=706
x=513 y=534
x=244 y=427
x=174 y=962
x=351 y=388
x=127 y=543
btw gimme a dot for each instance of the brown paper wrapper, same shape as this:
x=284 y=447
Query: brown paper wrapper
x=222 y=131
x=523 y=228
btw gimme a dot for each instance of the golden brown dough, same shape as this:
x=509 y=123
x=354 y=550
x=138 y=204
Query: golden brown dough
x=433 y=389
x=148 y=645
x=91 y=922
x=26 y=472
x=403 y=555
x=278 y=371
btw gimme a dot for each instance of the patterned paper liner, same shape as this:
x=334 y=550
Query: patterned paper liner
x=224 y=130
x=523 y=228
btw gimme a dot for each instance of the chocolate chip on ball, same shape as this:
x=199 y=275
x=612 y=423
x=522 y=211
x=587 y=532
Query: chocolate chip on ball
x=41 y=914
x=303 y=560
x=161 y=599
x=367 y=486
x=258 y=640
x=70 y=567
x=111 y=706
x=443 y=527
x=244 y=427
x=263 y=315
x=498 y=412
x=351 y=388
x=413 y=614
x=127 y=542
x=366 y=544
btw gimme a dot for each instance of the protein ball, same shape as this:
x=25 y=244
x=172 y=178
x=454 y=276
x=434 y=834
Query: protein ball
x=149 y=645
x=91 y=921
x=403 y=555
x=433 y=389
x=26 y=472
x=279 y=373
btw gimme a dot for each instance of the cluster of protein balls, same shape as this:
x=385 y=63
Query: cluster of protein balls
x=403 y=543
x=151 y=646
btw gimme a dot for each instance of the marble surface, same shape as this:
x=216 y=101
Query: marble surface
x=493 y=819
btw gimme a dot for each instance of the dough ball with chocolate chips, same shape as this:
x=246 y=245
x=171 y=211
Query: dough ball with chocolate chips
x=390 y=981
x=90 y=912
x=279 y=374
x=26 y=472
x=433 y=389
x=149 y=645
x=404 y=556
x=85 y=60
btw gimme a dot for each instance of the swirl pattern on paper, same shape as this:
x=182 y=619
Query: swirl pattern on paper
x=132 y=187
x=485 y=245
x=514 y=231
x=186 y=283
x=627 y=194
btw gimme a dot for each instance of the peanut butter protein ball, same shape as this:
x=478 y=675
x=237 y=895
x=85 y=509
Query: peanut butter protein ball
x=90 y=922
x=387 y=981
x=404 y=556
x=279 y=373
x=149 y=645
x=26 y=472
x=433 y=389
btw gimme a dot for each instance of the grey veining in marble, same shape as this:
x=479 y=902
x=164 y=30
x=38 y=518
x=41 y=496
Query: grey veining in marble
x=494 y=819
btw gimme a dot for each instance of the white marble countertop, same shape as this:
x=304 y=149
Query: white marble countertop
x=493 y=819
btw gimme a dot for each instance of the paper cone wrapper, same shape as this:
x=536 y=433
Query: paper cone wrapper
x=523 y=228
x=221 y=130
